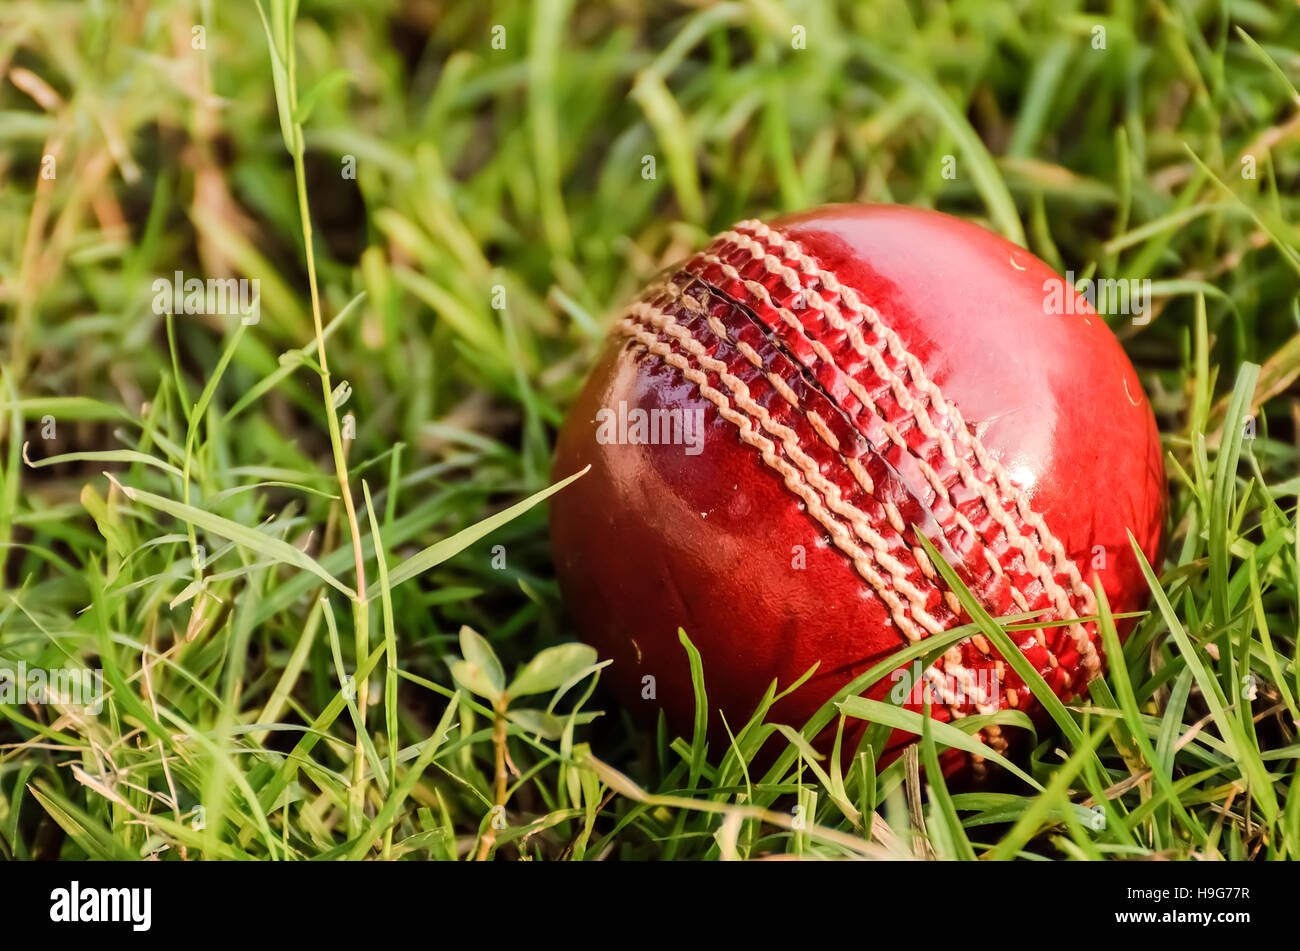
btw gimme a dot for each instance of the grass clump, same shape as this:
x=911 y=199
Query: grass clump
x=306 y=551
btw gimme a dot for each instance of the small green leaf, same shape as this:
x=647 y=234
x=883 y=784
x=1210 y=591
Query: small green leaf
x=475 y=679
x=546 y=725
x=551 y=668
x=476 y=650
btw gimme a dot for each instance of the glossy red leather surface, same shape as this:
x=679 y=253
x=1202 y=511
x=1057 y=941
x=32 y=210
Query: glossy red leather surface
x=655 y=538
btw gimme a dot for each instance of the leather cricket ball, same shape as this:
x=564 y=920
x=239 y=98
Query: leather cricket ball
x=775 y=423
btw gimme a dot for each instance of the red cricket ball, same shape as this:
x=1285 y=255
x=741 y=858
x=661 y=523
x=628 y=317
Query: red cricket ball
x=774 y=425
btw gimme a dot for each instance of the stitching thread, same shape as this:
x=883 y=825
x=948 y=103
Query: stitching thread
x=870 y=404
x=819 y=426
x=807 y=470
x=871 y=317
x=823 y=499
x=793 y=478
x=668 y=325
x=943 y=408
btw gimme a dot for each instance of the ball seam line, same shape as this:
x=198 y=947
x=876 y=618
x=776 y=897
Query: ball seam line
x=668 y=325
x=951 y=662
x=669 y=291
x=857 y=517
x=871 y=317
x=937 y=403
x=806 y=480
x=897 y=385
x=869 y=404
x=634 y=325
x=827 y=495
x=820 y=427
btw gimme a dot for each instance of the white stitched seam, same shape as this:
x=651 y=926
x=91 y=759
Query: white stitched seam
x=796 y=479
x=856 y=388
x=871 y=318
x=869 y=404
x=863 y=396
x=971 y=692
x=790 y=440
x=852 y=513
x=898 y=386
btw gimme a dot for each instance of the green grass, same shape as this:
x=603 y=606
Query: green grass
x=308 y=553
